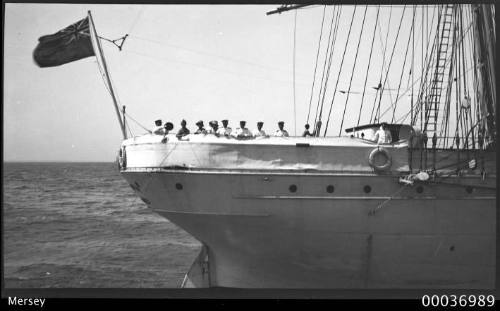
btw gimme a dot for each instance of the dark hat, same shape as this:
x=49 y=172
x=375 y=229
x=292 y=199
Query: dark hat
x=199 y=123
x=225 y=121
x=158 y=122
x=183 y=122
x=281 y=122
x=213 y=123
x=244 y=122
x=260 y=123
x=169 y=126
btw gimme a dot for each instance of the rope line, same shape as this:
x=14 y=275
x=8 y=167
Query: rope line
x=390 y=62
x=369 y=63
x=222 y=57
x=294 y=53
x=384 y=49
x=326 y=68
x=137 y=122
x=353 y=68
x=316 y=64
x=402 y=70
x=340 y=71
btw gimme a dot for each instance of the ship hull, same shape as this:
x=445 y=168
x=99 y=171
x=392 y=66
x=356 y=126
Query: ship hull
x=329 y=231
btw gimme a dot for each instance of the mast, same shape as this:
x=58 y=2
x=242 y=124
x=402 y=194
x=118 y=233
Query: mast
x=484 y=36
x=111 y=91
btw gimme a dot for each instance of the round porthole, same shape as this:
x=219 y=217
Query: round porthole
x=292 y=188
x=367 y=189
x=330 y=189
x=469 y=189
x=420 y=189
x=178 y=186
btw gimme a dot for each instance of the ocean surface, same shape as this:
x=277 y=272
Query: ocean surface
x=79 y=225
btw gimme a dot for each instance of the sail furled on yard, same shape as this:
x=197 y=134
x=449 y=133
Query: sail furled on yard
x=67 y=45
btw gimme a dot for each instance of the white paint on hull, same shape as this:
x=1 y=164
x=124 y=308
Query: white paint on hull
x=326 y=240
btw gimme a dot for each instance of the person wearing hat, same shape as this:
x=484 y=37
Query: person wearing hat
x=281 y=132
x=225 y=129
x=183 y=131
x=167 y=128
x=317 y=129
x=201 y=128
x=259 y=132
x=214 y=127
x=159 y=129
x=383 y=135
x=242 y=132
x=306 y=131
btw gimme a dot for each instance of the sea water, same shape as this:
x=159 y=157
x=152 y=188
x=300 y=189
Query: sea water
x=79 y=225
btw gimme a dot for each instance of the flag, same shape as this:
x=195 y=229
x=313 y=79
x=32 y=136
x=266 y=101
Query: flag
x=70 y=44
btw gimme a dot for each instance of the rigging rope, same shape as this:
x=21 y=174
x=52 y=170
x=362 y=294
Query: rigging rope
x=316 y=64
x=102 y=75
x=136 y=19
x=402 y=70
x=353 y=67
x=369 y=63
x=120 y=45
x=327 y=54
x=239 y=74
x=326 y=68
x=222 y=57
x=404 y=93
x=340 y=71
x=437 y=43
x=390 y=62
x=137 y=122
x=108 y=86
x=384 y=49
x=294 y=50
x=425 y=70
x=446 y=117
x=129 y=129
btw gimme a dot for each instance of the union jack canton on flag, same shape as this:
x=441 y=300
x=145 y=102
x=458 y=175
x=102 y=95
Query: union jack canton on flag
x=67 y=45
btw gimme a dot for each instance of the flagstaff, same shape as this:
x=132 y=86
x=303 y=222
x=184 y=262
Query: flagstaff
x=111 y=91
x=73 y=43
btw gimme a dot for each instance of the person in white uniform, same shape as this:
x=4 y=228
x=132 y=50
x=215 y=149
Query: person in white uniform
x=159 y=129
x=225 y=129
x=242 y=132
x=214 y=128
x=259 y=132
x=281 y=132
x=383 y=135
x=201 y=128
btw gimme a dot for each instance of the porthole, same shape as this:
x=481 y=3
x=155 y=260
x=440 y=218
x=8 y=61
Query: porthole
x=178 y=186
x=420 y=189
x=367 y=189
x=292 y=188
x=469 y=189
x=330 y=189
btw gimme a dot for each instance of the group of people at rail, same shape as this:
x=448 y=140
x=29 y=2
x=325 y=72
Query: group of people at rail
x=241 y=132
x=383 y=135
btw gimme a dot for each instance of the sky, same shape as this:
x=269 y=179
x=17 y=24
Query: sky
x=193 y=62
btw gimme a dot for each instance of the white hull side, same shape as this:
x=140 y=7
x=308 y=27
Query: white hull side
x=261 y=235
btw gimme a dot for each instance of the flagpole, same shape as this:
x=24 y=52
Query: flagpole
x=122 y=125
